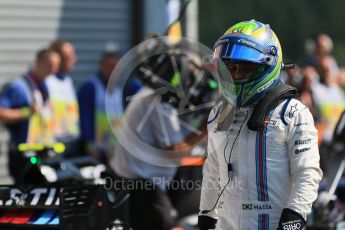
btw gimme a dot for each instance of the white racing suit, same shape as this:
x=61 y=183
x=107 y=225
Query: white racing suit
x=274 y=168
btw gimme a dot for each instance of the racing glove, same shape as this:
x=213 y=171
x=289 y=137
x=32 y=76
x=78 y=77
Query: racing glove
x=206 y=222
x=290 y=219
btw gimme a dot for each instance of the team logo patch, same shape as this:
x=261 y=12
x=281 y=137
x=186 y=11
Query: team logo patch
x=268 y=121
x=256 y=206
x=247 y=206
x=302 y=142
x=292 y=111
x=220 y=205
x=246 y=42
x=298 y=151
x=300 y=124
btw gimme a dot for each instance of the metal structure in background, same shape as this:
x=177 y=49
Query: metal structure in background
x=93 y=26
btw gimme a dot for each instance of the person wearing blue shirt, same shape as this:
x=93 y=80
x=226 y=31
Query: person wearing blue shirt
x=26 y=111
x=96 y=134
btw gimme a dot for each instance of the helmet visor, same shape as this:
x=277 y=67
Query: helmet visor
x=236 y=52
x=239 y=72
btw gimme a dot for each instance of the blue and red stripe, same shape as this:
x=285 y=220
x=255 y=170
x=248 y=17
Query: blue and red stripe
x=261 y=169
x=263 y=222
x=261 y=173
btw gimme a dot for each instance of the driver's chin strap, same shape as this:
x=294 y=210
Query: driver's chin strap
x=273 y=97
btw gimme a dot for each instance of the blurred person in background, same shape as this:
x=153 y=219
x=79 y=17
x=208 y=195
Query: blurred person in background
x=329 y=100
x=341 y=78
x=309 y=78
x=26 y=110
x=96 y=134
x=262 y=168
x=64 y=100
x=293 y=77
x=153 y=118
x=323 y=46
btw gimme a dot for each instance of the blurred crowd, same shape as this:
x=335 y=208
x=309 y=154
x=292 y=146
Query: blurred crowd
x=43 y=106
x=321 y=84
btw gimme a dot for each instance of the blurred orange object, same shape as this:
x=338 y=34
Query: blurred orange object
x=192 y=161
x=320 y=131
